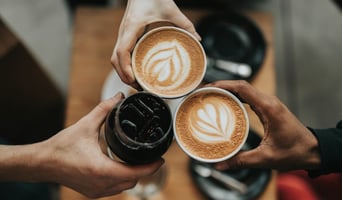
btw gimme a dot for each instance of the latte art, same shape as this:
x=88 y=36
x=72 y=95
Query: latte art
x=210 y=124
x=168 y=64
x=213 y=123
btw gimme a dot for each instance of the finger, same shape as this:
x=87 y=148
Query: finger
x=244 y=159
x=243 y=90
x=123 y=53
x=134 y=172
x=116 y=65
x=98 y=114
x=118 y=188
x=147 y=169
x=124 y=67
x=182 y=21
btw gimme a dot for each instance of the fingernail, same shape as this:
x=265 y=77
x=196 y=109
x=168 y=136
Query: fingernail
x=120 y=95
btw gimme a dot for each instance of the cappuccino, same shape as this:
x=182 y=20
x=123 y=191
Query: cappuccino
x=211 y=125
x=168 y=62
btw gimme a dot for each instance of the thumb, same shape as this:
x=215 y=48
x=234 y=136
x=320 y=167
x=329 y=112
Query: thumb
x=244 y=159
x=99 y=113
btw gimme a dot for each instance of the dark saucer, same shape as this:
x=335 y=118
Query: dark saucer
x=233 y=37
x=255 y=179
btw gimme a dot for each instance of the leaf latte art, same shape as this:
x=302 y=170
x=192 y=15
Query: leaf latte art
x=168 y=64
x=212 y=122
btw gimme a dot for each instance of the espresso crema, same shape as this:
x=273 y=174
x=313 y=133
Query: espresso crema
x=211 y=125
x=168 y=62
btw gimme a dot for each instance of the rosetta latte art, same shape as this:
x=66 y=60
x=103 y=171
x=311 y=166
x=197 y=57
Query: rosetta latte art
x=168 y=63
x=212 y=122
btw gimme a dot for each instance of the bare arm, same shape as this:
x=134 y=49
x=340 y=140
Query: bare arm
x=21 y=162
x=74 y=158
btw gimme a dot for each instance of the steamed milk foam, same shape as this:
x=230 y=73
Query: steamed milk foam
x=210 y=125
x=169 y=62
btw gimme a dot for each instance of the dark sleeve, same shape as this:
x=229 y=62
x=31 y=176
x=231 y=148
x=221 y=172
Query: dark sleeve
x=330 y=146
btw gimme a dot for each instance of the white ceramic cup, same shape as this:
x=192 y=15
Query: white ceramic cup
x=215 y=126
x=169 y=61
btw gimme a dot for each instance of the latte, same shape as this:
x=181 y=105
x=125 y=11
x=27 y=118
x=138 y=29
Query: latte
x=211 y=125
x=168 y=62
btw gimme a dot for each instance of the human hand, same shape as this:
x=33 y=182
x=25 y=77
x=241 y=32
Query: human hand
x=73 y=158
x=138 y=14
x=286 y=145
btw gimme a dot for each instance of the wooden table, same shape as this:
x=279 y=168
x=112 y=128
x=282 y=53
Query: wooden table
x=95 y=34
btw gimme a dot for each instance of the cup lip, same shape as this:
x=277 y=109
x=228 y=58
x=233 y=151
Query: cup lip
x=168 y=27
x=121 y=133
x=217 y=90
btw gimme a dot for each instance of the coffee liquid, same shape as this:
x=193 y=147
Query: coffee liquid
x=140 y=131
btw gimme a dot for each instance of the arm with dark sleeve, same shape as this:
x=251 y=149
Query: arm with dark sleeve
x=330 y=146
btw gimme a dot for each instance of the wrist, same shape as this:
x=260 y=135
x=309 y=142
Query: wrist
x=20 y=162
x=44 y=163
x=313 y=159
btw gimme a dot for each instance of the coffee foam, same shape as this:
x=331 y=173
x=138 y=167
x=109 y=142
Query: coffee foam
x=169 y=63
x=212 y=121
x=210 y=125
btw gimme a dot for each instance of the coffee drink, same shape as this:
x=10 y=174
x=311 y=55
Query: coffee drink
x=211 y=125
x=168 y=62
x=139 y=129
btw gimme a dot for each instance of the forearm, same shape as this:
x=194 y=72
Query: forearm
x=21 y=162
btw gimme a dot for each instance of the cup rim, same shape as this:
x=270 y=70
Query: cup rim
x=141 y=82
x=231 y=154
x=121 y=133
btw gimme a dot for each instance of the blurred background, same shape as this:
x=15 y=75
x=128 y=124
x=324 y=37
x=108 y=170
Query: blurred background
x=307 y=42
x=306 y=38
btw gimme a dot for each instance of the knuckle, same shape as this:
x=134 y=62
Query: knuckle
x=121 y=52
x=188 y=25
x=242 y=84
x=105 y=106
x=273 y=106
x=113 y=61
x=269 y=156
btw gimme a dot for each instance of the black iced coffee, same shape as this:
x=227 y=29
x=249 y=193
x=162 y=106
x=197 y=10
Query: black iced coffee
x=139 y=129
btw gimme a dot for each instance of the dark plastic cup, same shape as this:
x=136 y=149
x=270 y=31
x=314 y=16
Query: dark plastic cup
x=139 y=129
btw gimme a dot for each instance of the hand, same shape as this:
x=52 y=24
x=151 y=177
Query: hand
x=287 y=144
x=73 y=158
x=138 y=14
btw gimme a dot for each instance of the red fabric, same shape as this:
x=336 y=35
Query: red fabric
x=292 y=187
x=297 y=185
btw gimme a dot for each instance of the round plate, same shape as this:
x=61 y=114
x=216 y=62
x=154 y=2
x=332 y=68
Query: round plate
x=232 y=37
x=255 y=179
x=113 y=85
